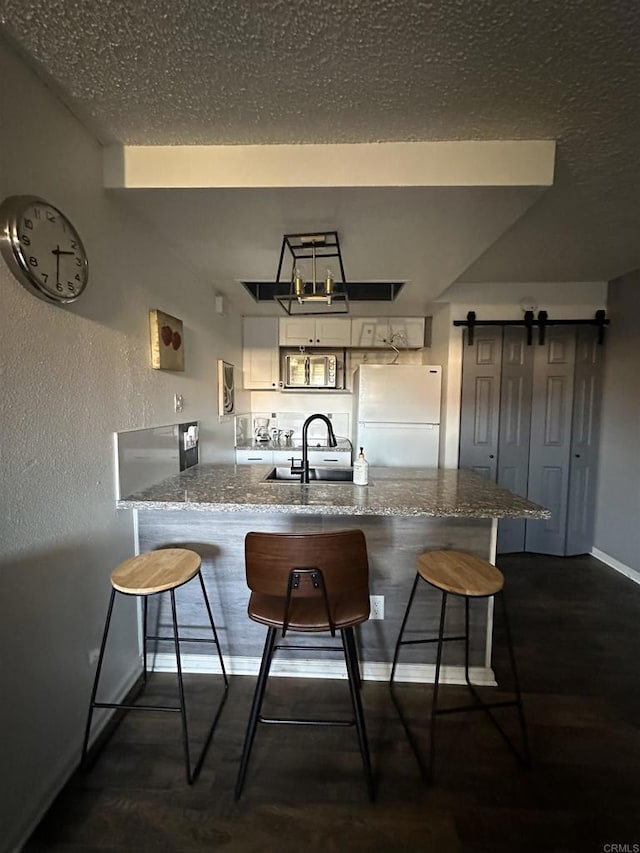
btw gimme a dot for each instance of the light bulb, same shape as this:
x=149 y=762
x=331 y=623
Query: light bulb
x=329 y=283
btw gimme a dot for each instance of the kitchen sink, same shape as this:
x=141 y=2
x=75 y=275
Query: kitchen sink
x=316 y=475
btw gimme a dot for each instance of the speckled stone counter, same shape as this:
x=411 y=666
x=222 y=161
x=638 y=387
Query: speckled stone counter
x=391 y=492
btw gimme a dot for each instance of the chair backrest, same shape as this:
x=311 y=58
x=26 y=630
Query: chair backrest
x=341 y=557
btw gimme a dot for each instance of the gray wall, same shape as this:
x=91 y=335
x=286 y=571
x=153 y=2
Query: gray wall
x=618 y=509
x=70 y=377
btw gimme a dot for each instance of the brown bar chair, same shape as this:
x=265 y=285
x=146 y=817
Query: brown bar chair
x=468 y=577
x=308 y=583
x=152 y=573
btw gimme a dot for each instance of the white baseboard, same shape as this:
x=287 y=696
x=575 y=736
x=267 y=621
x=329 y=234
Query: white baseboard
x=627 y=571
x=371 y=671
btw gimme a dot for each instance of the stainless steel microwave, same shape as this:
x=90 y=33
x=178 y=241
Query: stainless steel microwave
x=310 y=371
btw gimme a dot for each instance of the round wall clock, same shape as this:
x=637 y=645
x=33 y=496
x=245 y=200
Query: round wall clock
x=42 y=249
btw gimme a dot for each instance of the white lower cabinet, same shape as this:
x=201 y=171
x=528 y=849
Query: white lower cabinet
x=339 y=458
x=284 y=457
x=254 y=457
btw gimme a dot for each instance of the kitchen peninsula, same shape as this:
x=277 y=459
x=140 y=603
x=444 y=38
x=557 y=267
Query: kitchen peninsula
x=402 y=512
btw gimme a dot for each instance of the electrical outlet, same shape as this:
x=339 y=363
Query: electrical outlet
x=178 y=402
x=377 y=606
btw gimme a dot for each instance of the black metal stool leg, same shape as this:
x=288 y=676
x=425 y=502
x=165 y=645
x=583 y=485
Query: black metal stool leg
x=402 y=627
x=466 y=642
x=94 y=689
x=436 y=682
x=213 y=629
x=145 y=612
x=183 y=710
x=350 y=656
x=256 y=706
x=526 y=757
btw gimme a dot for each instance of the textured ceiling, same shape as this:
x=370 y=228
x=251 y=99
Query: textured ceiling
x=274 y=71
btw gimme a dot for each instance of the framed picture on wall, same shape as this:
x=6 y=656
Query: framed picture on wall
x=226 y=389
x=167 y=341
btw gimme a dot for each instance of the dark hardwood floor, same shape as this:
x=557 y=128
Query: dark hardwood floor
x=575 y=626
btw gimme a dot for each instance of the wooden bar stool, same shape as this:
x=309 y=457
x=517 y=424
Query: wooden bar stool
x=308 y=583
x=149 y=574
x=469 y=577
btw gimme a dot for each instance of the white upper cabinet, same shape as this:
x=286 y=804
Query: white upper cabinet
x=260 y=356
x=315 y=331
x=372 y=332
x=407 y=332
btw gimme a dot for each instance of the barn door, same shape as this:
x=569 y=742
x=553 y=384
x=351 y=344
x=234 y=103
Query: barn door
x=515 y=430
x=480 y=404
x=584 y=442
x=550 y=446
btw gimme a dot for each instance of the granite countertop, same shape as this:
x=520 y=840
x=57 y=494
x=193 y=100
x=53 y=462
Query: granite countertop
x=391 y=491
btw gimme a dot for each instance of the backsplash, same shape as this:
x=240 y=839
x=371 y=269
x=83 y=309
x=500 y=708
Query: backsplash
x=247 y=424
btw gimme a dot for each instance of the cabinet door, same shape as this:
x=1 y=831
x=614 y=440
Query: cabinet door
x=480 y=404
x=284 y=457
x=551 y=412
x=254 y=457
x=333 y=331
x=297 y=331
x=585 y=429
x=339 y=458
x=260 y=367
x=407 y=332
x=369 y=332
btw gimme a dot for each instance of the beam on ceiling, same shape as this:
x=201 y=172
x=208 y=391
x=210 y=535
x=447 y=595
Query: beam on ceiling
x=385 y=164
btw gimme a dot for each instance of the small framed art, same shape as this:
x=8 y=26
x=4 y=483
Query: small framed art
x=167 y=341
x=226 y=389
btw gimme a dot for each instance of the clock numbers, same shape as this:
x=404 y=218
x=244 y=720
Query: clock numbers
x=43 y=249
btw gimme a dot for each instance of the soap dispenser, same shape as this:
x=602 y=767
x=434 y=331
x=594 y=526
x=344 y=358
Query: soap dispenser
x=361 y=470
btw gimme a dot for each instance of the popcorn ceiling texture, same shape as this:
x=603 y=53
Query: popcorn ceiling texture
x=285 y=71
x=196 y=71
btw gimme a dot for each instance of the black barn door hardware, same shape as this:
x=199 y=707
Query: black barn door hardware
x=529 y=321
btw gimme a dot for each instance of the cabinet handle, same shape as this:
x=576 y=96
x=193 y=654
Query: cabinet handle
x=491 y=456
x=577 y=456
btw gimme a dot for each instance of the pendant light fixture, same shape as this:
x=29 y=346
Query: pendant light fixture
x=312 y=287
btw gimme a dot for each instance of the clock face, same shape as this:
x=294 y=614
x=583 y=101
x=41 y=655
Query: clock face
x=43 y=249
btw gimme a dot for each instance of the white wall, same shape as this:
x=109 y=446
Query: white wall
x=617 y=533
x=71 y=377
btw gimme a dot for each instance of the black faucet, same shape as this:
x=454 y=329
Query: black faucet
x=304 y=469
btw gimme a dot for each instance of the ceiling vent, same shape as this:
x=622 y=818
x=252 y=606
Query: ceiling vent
x=357 y=291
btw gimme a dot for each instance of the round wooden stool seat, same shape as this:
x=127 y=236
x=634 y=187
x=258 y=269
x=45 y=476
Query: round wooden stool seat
x=459 y=573
x=156 y=571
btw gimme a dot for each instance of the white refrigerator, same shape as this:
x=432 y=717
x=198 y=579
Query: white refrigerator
x=397 y=414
